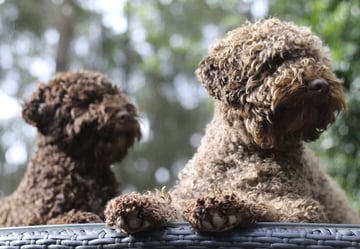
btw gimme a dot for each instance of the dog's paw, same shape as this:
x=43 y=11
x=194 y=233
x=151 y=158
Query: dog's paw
x=133 y=213
x=218 y=213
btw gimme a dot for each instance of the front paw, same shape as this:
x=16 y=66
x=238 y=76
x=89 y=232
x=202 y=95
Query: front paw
x=218 y=213
x=133 y=213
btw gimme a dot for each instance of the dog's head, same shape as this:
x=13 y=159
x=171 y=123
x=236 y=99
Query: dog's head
x=84 y=114
x=276 y=78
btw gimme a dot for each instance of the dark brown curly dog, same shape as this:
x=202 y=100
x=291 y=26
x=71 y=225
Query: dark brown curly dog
x=274 y=89
x=85 y=123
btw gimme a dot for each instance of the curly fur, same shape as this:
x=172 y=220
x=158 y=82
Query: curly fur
x=274 y=89
x=85 y=123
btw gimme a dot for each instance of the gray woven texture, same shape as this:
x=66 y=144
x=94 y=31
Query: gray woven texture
x=180 y=235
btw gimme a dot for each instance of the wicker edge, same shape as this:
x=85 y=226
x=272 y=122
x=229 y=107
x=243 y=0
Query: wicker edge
x=180 y=235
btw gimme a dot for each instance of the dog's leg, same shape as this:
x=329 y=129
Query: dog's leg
x=133 y=212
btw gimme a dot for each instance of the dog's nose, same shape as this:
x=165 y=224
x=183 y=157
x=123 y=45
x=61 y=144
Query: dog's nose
x=318 y=86
x=122 y=115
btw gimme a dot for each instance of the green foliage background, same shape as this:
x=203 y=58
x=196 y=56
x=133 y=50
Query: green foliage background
x=153 y=58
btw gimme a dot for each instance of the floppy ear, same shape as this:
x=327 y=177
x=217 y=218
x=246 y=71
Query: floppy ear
x=208 y=73
x=223 y=78
x=41 y=115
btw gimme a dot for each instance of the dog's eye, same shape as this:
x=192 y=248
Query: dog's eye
x=84 y=103
x=96 y=99
x=282 y=109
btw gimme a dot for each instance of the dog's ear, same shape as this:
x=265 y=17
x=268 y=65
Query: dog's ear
x=222 y=79
x=208 y=73
x=40 y=114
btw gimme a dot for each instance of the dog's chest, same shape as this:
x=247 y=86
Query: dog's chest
x=265 y=173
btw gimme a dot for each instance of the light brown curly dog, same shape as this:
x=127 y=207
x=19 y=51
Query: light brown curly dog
x=274 y=89
x=85 y=123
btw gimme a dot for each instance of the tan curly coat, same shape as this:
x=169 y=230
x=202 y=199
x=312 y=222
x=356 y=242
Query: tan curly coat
x=274 y=89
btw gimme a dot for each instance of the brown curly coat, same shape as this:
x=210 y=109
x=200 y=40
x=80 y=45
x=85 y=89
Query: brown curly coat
x=84 y=125
x=274 y=89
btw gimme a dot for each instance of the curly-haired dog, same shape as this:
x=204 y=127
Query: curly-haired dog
x=274 y=89
x=85 y=123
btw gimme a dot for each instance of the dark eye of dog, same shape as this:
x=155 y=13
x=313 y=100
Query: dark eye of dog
x=276 y=62
x=85 y=103
x=97 y=99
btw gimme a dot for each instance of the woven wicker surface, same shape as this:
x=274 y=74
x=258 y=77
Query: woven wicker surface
x=180 y=235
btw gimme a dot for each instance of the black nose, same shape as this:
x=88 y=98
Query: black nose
x=318 y=86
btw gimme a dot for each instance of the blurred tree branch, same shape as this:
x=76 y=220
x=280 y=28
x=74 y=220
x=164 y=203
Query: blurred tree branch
x=66 y=29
